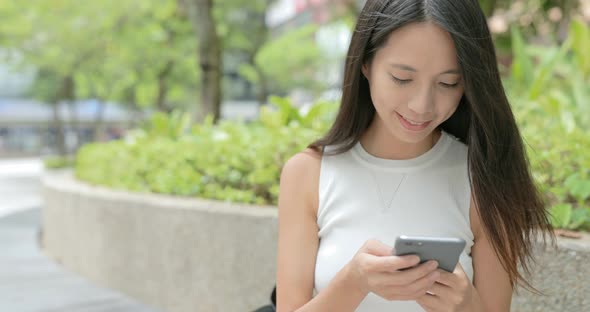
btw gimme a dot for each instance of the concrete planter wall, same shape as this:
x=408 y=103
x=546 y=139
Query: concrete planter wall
x=176 y=254
x=199 y=255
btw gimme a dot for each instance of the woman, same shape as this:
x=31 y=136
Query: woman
x=424 y=144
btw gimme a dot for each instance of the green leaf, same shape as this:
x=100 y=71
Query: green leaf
x=578 y=187
x=554 y=102
x=547 y=67
x=579 y=217
x=271 y=118
x=320 y=114
x=299 y=69
x=568 y=121
x=560 y=215
x=286 y=109
x=249 y=73
x=580 y=32
x=522 y=67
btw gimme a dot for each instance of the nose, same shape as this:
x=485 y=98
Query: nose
x=423 y=103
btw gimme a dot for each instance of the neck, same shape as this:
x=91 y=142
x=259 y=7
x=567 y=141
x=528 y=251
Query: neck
x=382 y=144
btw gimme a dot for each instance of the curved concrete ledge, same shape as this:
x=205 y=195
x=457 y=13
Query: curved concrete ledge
x=174 y=253
x=199 y=255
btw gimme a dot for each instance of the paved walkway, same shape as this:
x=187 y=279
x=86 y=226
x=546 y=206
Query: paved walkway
x=20 y=186
x=31 y=282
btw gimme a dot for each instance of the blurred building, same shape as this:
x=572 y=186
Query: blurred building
x=27 y=126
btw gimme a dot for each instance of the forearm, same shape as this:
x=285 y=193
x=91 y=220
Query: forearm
x=342 y=294
x=498 y=304
x=476 y=304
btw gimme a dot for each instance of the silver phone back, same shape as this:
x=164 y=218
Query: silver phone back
x=445 y=250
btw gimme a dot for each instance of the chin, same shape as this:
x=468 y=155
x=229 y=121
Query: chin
x=413 y=138
x=409 y=137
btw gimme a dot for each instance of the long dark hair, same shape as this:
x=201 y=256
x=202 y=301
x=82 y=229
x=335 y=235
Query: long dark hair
x=510 y=206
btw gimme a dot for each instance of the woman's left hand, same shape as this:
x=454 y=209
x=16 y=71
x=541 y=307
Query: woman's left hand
x=451 y=292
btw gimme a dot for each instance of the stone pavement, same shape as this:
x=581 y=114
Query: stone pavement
x=31 y=282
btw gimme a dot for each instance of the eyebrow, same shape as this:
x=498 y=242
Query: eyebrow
x=412 y=69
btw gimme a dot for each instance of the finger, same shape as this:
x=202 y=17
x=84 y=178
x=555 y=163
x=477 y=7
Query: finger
x=419 y=287
x=441 y=291
x=377 y=248
x=446 y=278
x=394 y=263
x=429 y=302
x=416 y=273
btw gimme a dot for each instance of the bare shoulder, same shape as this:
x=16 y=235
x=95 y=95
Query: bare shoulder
x=304 y=159
x=298 y=230
x=300 y=175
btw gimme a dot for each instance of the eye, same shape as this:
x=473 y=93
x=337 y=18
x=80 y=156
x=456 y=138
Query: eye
x=449 y=85
x=400 y=81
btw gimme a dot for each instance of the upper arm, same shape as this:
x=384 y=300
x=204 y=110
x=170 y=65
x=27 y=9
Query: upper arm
x=298 y=231
x=490 y=278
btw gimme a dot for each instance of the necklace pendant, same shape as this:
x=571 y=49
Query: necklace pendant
x=387 y=186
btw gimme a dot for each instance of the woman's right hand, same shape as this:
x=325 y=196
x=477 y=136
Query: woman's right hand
x=375 y=269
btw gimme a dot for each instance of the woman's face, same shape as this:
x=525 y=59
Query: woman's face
x=415 y=81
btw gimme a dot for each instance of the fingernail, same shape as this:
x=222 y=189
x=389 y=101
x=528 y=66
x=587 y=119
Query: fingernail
x=433 y=265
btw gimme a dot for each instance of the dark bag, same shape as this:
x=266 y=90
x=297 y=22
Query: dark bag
x=271 y=307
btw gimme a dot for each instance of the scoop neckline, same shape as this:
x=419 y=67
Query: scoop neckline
x=410 y=164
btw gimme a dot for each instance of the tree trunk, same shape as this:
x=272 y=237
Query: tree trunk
x=98 y=122
x=210 y=62
x=74 y=124
x=66 y=93
x=130 y=101
x=163 y=87
x=262 y=93
x=59 y=130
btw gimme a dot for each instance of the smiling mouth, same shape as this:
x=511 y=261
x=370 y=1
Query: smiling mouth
x=412 y=124
x=415 y=123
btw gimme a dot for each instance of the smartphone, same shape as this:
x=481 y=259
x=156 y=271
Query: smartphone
x=445 y=250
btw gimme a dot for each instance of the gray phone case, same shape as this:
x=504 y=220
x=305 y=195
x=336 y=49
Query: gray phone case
x=445 y=250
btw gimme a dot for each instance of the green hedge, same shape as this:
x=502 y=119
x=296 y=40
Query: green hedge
x=549 y=89
x=58 y=162
x=233 y=161
x=241 y=162
x=561 y=167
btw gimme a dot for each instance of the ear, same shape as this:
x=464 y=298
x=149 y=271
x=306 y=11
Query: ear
x=365 y=71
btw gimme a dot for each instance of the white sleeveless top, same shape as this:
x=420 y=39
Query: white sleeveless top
x=363 y=197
